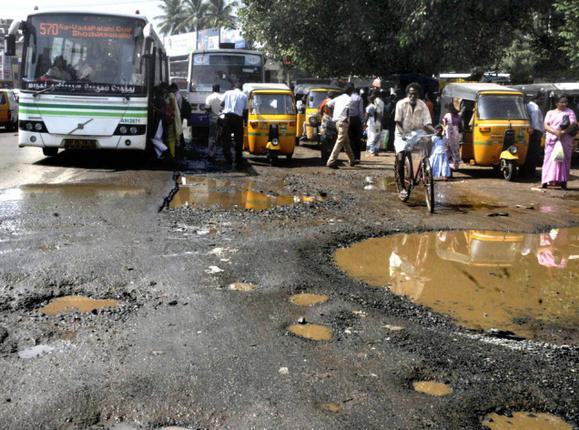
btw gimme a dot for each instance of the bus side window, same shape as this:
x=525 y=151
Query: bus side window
x=156 y=68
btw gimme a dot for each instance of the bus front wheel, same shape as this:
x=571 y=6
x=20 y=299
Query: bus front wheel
x=50 y=152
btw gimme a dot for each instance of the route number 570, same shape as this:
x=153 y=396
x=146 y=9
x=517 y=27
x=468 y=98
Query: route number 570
x=49 y=29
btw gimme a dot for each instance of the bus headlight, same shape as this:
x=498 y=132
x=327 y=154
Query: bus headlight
x=29 y=126
x=38 y=126
x=133 y=130
x=123 y=129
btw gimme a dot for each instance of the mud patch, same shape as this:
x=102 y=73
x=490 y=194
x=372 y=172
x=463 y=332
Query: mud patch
x=331 y=407
x=483 y=279
x=525 y=421
x=244 y=287
x=68 y=304
x=312 y=331
x=306 y=299
x=229 y=194
x=432 y=388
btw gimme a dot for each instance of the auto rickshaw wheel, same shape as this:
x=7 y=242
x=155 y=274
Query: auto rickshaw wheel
x=509 y=169
x=289 y=157
x=428 y=180
x=272 y=157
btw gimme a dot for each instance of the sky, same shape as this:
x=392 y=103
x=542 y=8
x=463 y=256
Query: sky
x=18 y=9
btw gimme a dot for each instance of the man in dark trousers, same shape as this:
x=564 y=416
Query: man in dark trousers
x=234 y=108
x=356 y=114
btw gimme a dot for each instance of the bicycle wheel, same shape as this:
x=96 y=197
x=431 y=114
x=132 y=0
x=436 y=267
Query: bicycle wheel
x=404 y=183
x=428 y=181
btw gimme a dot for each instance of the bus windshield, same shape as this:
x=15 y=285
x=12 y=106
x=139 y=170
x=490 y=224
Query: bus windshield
x=84 y=54
x=225 y=70
x=272 y=104
x=501 y=107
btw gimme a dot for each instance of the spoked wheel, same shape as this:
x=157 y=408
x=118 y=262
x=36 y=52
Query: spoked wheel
x=403 y=166
x=428 y=184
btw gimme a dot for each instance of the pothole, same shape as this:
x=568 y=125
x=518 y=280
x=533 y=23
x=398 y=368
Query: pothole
x=229 y=194
x=242 y=286
x=432 y=388
x=514 y=282
x=68 y=304
x=312 y=331
x=331 y=407
x=306 y=299
x=525 y=421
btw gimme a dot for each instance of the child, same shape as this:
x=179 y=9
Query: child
x=439 y=155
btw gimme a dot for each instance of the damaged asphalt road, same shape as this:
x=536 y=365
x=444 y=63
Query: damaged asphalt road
x=198 y=333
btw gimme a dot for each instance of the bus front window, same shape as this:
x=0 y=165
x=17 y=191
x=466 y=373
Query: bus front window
x=81 y=53
x=224 y=70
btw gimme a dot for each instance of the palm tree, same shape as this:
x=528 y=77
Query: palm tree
x=195 y=16
x=221 y=13
x=173 y=16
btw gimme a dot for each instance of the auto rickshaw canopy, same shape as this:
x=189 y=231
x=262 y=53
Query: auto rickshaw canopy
x=250 y=87
x=470 y=91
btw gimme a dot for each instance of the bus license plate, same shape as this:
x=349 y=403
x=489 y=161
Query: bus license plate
x=79 y=144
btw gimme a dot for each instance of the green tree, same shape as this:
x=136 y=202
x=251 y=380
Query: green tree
x=173 y=15
x=569 y=31
x=383 y=36
x=195 y=17
x=221 y=14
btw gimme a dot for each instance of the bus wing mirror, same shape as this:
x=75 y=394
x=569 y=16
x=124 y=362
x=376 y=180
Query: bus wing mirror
x=10 y=45
x=148 y=44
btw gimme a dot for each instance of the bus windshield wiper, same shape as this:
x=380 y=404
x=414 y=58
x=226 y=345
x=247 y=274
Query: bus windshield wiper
x=44 y=90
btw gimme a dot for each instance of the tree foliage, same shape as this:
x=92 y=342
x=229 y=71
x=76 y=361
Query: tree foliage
x=569 y=32
x=383 y=36
x=182 y=16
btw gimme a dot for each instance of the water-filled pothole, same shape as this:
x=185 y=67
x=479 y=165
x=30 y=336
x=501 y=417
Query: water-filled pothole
x=306 y=299
x=482 y=279
x=229 y=194
x=525 y=421
x=311 y=331
x=242 y=286
x=432 y=388
x=67 y=304
x=331 y=407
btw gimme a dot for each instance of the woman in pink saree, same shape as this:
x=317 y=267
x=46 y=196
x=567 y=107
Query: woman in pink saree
x=557 y=172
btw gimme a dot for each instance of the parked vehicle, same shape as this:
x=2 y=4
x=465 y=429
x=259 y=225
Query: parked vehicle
x=8 y=110
x=496 y=125
x=271 y=122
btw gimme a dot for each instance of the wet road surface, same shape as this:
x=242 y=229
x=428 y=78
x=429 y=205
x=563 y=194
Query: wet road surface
x=233 y=311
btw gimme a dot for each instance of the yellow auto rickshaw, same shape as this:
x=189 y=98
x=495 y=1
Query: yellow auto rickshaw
x=314 y=98
x=271 y=123
x=496 y=125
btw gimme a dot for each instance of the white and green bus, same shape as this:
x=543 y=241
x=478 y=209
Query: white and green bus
x=87 y=80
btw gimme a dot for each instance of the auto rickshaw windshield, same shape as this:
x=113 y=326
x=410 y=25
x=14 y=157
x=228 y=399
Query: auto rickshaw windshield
x=501 y=107
x=272 y=104
x=316 y=98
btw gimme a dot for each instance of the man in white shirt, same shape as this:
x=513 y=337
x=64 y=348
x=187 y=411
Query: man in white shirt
x=538 y=126
x=234 y=107
x=341 y=106
x=213 y=107
x=411 y=114
x=356 y=114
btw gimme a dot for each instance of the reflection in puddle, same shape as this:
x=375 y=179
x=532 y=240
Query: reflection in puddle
x=69 y=304
x=242 y=286
x=331 y=407
x=305 y=299
x=311 y=331
x=483 y=279
x=432 y=388
x=225 y=194
x=525 y=421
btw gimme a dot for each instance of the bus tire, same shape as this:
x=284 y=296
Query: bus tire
x=50 y=152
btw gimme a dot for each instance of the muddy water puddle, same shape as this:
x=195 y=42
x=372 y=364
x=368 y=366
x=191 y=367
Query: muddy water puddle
x=68 y=304
x=229 y=194
x=306 y=299
x=437 y=389
x=311 y=331
x=484 y=280
x=244 y=287
x=525 y=421
x=331 y=407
